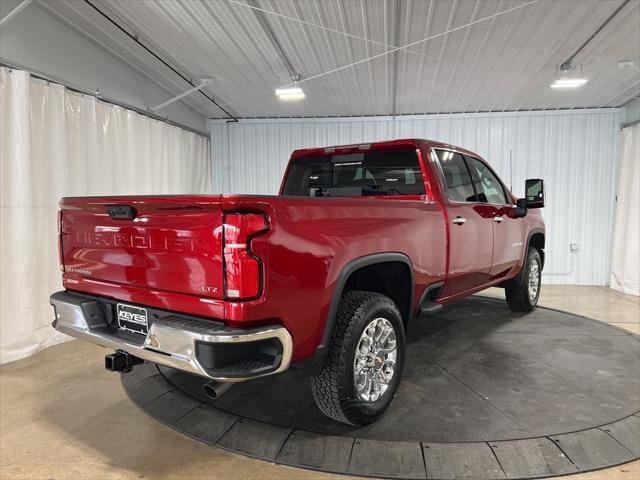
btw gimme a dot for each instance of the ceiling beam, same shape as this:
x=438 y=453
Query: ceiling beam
x=268 y=31
x=203 y=83
x=160 y=59
x=567 y=64
x=24 y=4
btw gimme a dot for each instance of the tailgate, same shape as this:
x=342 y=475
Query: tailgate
x=168 y=243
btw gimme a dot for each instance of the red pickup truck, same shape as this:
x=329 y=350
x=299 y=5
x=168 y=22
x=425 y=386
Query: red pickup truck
x=325 y=276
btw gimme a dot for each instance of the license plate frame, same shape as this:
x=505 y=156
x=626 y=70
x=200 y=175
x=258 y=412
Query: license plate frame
x=132 y=319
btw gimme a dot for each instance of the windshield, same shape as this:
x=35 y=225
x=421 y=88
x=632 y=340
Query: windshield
x=384 y=172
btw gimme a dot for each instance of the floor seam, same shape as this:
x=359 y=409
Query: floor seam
x=157 y=397
x=497 y=459
x=557 y=444
x=188 y=412
x=481 y=397
x=424 y=460
x=353 y=444
x=284 y=443
x=141 y=379
x=228 y=430
x=615 y=439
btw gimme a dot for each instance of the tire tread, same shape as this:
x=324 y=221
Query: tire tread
x=328 y=387
x=517 y=292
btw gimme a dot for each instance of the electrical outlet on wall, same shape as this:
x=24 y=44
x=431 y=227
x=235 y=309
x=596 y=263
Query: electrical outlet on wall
x=573 y=247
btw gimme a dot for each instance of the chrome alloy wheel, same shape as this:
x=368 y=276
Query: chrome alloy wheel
x=534 y=279
x=375 y=360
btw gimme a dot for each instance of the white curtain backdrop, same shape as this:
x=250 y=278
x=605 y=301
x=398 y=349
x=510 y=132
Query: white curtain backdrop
x=625 y=255
x=56 y=143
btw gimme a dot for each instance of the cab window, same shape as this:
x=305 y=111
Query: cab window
x=457 y=179
x=489 y=188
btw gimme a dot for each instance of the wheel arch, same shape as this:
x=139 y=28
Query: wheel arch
x=536 y=239
x=362 y=271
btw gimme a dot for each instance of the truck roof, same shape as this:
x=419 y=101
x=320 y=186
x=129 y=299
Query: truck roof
x=417 y=142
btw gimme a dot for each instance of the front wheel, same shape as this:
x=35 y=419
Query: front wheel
x=365 y=360
x=523 y=293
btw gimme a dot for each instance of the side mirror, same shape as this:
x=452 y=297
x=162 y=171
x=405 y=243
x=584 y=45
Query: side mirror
x=534 y=192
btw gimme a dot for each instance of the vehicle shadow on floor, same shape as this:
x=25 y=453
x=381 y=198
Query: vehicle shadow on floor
x=474 y=372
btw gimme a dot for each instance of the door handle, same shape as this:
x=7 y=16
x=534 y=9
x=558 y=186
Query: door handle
x=459 y=220
x=498 y=219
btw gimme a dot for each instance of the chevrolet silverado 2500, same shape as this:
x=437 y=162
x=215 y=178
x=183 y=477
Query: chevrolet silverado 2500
x=325 y=276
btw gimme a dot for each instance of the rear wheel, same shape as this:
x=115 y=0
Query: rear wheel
x=365 y=360
x=523 y=293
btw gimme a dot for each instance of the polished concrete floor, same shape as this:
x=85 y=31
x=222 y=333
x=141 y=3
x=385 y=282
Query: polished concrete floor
x=62 y=416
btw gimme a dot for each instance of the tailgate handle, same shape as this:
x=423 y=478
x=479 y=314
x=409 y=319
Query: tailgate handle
x=121 y=212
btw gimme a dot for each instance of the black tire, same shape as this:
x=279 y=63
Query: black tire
x=334 y=389
x=518 y=290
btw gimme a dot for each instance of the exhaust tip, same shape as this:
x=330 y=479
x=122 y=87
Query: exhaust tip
x=214 y=390
x=210 y=391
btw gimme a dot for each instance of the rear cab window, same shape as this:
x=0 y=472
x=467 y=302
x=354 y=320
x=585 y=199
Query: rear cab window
x=372 y=173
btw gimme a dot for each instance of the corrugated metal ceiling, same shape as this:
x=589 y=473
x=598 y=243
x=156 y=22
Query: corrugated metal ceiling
x=488 y=60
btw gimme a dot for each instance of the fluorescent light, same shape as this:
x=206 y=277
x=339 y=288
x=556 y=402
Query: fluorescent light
x=569 y=82
x=288 y=94
x=292 y=96
x=288 y=91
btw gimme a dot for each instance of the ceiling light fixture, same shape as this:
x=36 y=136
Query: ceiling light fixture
x=626 y=64
x=288 y=94
x=569 y=82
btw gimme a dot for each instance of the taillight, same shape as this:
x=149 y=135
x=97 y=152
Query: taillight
x=242 y=268
x=60 y=256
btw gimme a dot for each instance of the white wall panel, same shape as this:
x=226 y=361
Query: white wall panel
x=574 y=151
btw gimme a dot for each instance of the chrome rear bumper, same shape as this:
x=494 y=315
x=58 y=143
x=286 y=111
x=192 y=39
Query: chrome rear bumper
x=173 y=343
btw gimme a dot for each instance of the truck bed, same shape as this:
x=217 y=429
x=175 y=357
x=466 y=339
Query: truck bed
x=170 y=255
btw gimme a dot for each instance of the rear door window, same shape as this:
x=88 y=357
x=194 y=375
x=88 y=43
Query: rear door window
x=458 y=184
x=490 y=189
x=382 y=172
